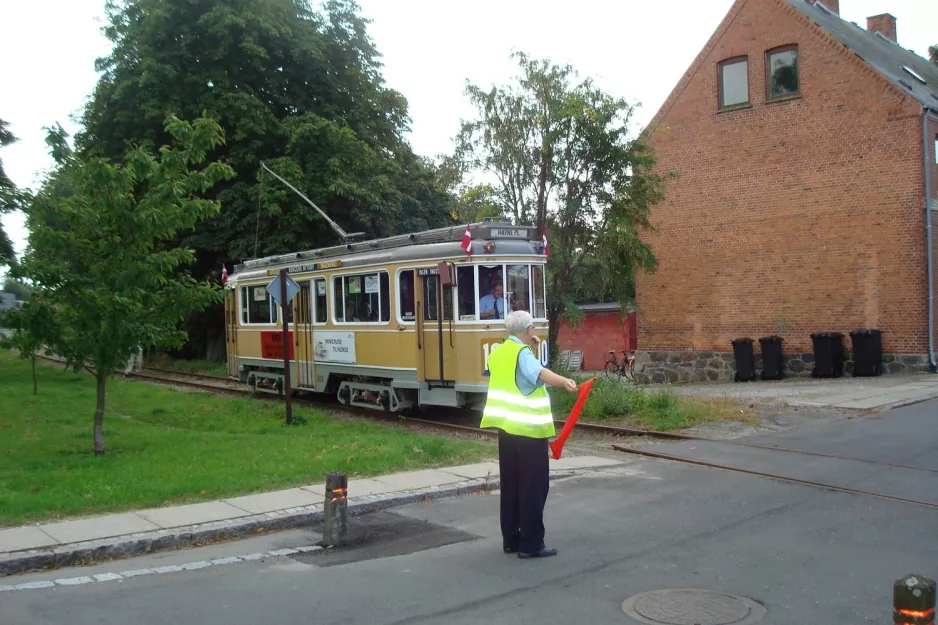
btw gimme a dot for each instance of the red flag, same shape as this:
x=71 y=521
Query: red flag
x=546 y=247
x=556 y=446
x=467 y=242
x=224 y=275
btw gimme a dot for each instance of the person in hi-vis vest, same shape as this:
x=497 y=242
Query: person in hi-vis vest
x=519 y=407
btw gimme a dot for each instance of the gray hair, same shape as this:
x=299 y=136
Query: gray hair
x=518 y=322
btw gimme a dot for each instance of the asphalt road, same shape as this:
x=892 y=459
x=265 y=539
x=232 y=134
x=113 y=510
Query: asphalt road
x=806 y=554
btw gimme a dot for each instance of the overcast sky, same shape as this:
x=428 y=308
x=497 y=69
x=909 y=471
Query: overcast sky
x=635 y=49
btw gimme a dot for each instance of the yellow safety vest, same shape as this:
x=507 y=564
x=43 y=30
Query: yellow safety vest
x=506 y=407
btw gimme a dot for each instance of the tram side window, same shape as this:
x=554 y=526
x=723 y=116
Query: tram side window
x=518 y=293
x=405 y=295
x=539 y=286
x=321 y=312
x=257 y=305
x=466 y=292
x=491 y=292
x=358 y=298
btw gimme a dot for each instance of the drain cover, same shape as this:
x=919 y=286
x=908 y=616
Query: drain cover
x=685 y=606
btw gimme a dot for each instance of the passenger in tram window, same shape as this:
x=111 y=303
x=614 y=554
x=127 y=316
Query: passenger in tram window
x=492 y=306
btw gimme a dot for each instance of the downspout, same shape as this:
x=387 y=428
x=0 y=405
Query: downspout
x=933 y=365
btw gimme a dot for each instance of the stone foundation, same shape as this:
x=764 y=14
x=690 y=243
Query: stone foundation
x=659 y=367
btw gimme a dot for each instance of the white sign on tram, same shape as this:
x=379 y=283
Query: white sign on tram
x=334 y=347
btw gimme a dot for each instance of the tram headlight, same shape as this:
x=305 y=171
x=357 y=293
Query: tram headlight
x=489 y=247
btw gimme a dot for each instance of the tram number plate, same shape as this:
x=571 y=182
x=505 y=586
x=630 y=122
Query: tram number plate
x=489 y=344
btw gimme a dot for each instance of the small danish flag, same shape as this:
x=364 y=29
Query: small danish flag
x=544 y=241
x=224 y=275
x=467 y=242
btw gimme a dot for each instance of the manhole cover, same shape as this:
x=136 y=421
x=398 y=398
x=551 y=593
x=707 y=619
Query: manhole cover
x=684 y=606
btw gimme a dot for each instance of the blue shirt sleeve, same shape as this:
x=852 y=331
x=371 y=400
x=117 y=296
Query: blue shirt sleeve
x=529 y=368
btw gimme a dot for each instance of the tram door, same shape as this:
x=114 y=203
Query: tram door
x=301 y=330
x=231 y=331
x=435 y=310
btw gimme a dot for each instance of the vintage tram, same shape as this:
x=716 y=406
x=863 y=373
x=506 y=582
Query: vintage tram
x=392 y=323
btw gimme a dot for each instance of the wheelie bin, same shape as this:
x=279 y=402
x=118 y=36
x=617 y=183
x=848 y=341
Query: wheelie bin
x=772 y=361
x=828 y=355
x=745 y=360
x=867 y=352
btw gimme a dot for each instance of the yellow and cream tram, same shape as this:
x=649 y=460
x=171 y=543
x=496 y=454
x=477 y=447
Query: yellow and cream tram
x=391 y=323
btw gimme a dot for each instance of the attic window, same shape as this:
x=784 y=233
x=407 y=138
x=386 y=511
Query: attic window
x=914 y=75
x=781 y=73
x=734 y=82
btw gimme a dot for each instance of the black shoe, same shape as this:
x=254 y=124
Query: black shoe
x=510 y=549
x=543 y=553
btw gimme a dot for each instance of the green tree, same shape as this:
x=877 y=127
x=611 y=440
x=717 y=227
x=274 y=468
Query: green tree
x=34 y=328
x=98 y=248
x=297 y=88
x=933 y=53
x=18 y=287
x=8 y=197
x=562 y=156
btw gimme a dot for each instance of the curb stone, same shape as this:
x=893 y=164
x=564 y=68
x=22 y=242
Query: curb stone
x=16 y=562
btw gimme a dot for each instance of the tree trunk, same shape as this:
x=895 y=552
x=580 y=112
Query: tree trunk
x=35 y=380
x=99 y=416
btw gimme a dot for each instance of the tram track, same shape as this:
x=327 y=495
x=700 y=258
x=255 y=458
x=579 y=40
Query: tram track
x=227 y=386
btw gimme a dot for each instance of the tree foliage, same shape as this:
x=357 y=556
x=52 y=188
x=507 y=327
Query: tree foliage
x=933 y=53
x=9 y=199
x=100 y=253
x=34 y=328
x=297 y=88
x=563 y=159
x=16 y=286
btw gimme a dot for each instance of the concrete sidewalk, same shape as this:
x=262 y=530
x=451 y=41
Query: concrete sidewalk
x=847 y=393
x=63 y=543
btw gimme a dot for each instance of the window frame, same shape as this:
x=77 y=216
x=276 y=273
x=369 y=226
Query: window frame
x=313 y=299
x=275 y=312
x=504 y=269
x=362 y=274
x=720 y=66
x=768 y=74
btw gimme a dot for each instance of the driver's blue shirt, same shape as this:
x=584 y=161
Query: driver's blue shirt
x=488 y=303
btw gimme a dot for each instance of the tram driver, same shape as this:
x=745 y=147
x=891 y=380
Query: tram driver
x=492 y=306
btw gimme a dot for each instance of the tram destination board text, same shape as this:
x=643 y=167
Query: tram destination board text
x=272 y=345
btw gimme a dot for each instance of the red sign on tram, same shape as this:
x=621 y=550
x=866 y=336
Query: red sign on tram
x=272 y=345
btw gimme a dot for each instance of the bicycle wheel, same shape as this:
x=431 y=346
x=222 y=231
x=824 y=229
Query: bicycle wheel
x=612 y=370
x=629 y=372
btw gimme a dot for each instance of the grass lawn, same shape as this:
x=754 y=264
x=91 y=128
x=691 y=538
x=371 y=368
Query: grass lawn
x=618 y=404
x=172 y=447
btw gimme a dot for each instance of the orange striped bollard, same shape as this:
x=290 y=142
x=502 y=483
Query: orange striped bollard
x=913 y=601
x=335 y=511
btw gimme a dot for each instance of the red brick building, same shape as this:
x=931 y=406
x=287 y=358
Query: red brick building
x=804 y=146
x=601 y=328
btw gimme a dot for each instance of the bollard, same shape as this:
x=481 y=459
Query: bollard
x=335 y=512
x=913 y=601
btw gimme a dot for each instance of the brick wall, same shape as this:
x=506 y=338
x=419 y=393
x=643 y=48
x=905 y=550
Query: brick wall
x=595 y=335
x=789 y=217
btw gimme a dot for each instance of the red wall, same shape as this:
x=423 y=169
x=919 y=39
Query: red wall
x=596 y=334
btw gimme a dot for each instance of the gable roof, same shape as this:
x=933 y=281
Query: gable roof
x=907 y=71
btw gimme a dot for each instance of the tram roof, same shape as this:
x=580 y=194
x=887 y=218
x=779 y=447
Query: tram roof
x=509 y=239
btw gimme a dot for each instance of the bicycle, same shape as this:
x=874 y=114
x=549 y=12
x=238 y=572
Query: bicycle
x=625 y=368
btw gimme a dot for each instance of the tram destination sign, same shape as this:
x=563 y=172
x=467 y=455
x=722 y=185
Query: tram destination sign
x=505 y=232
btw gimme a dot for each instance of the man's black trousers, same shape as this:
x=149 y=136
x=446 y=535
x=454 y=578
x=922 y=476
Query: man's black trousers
x=524 y=473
